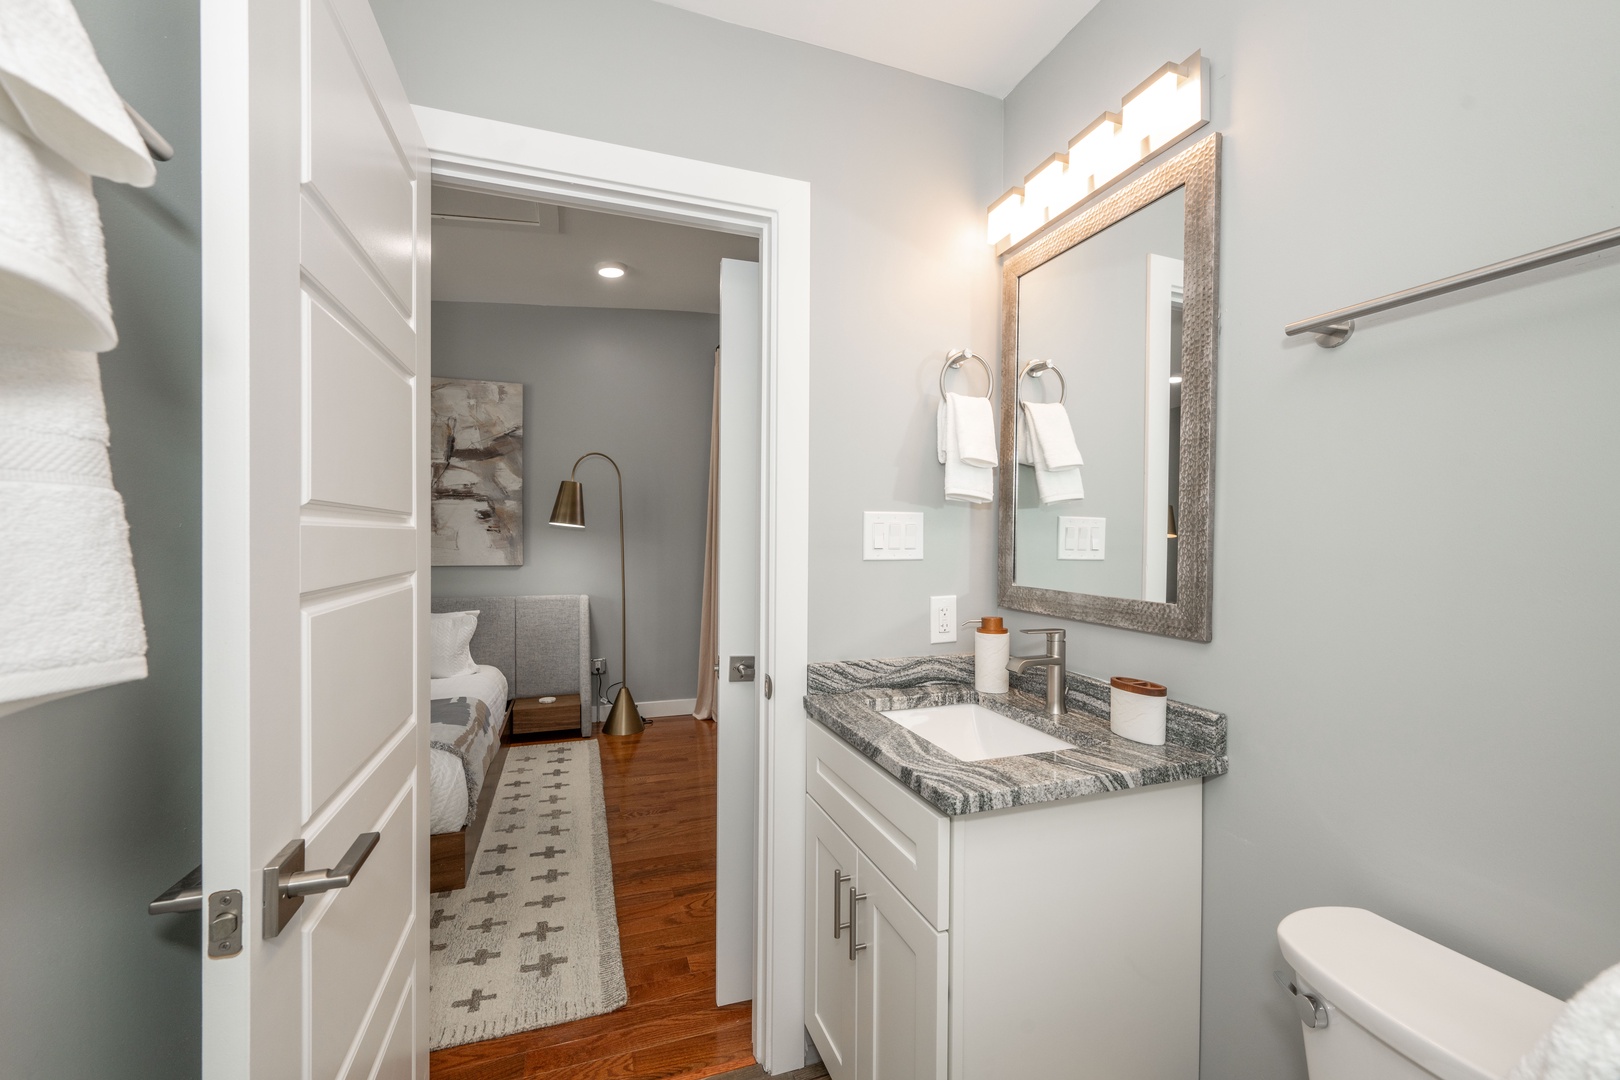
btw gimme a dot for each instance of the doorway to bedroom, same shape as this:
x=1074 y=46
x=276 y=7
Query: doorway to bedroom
x=601 y=945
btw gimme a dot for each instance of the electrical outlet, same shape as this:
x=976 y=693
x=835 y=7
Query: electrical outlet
x=941 y=619
x=599 y=666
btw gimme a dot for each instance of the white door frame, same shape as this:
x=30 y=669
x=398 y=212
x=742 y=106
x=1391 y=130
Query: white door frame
x=581 y=172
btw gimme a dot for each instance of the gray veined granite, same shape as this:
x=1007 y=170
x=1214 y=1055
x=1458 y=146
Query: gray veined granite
x=848 y=698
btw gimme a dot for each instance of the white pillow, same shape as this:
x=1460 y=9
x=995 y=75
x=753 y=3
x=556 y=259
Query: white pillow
x=452 y=633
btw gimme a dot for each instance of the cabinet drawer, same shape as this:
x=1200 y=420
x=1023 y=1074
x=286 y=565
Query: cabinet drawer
x=904 y=837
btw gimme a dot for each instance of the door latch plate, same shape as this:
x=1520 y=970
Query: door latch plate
x=224 y=923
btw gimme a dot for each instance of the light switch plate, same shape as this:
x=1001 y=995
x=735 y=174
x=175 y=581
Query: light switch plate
x=889 y=535
x=941 y=619
x=1082 y=537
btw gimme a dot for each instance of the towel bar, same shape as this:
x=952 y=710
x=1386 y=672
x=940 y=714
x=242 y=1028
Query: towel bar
x=1038 y=368
x=956 y=360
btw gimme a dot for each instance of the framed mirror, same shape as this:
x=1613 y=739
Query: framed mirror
x=1108 y=329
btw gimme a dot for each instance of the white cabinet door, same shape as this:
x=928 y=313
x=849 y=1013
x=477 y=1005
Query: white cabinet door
x=902 y=994
x=314 y=565
x=829 y=973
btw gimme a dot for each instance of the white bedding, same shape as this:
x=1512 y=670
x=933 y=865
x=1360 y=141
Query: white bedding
x=448 y=809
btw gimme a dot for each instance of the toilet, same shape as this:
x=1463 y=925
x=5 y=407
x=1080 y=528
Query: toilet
x=1388 y=1004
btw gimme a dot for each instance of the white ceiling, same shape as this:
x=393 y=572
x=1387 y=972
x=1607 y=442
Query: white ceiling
x=551 y=257
x=984 y=46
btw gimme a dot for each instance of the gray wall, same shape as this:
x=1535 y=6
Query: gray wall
x=901 y=169
x=100 y=793
x=1086 y=310
x=637 y=386
x=1420 y=723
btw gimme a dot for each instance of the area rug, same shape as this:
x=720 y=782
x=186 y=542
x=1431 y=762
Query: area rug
x=533 y=939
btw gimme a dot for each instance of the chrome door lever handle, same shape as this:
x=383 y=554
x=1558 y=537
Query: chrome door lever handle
x=286 y=882
x=184 y=895
x=340 y=876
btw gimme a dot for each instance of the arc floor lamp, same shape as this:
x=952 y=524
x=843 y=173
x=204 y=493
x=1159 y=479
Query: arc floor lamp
x=569 y=512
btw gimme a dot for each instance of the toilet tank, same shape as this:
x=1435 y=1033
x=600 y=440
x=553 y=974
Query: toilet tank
x=1402 y=1007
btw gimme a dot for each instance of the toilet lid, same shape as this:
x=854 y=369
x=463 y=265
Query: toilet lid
x=1452 y=1015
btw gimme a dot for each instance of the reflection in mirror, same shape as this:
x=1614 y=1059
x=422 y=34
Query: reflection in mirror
x=1105 y=315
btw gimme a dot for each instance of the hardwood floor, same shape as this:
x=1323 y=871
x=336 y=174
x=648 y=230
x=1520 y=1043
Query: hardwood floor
x=660 y=791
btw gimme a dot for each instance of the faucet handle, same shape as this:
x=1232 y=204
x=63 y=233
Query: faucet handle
x=1053 y=633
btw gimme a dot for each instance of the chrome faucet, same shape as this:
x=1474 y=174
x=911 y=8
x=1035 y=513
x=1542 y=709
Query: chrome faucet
x=1057 y=669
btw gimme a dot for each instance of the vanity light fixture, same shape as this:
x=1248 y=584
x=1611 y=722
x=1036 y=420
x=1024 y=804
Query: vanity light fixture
x=1172 y=102
x=1175 y=380
x=610 y=270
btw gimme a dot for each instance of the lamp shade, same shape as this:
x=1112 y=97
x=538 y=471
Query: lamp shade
x=569 y=509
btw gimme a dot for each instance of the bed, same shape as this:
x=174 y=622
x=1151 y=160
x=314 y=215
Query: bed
x=524 y=646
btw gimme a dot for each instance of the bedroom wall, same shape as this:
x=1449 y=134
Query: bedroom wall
x=638 y=386
x=1420 y=724
x=901 y=169
x=100 y=792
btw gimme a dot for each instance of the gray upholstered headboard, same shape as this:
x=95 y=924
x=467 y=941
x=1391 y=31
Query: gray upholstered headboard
x=541 y=643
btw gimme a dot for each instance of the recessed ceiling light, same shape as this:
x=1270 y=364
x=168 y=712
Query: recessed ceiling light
x=610 y=270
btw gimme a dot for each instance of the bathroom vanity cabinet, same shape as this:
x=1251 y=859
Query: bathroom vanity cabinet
x=1059 y=938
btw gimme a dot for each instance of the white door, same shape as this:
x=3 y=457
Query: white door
x=737 y=602
x=902 y=990
x=315 y=286
x=829 y=967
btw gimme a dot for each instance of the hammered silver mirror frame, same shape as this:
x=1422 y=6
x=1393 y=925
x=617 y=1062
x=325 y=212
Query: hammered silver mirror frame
x=1197 y=169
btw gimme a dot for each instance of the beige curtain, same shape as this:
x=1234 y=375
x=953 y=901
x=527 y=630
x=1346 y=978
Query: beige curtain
x=708 y=643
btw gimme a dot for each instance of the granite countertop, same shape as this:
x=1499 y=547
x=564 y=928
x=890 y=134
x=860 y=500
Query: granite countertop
x=848 y=697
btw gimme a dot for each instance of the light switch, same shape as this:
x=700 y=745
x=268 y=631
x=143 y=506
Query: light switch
x=1082 y=537
x=892 y=535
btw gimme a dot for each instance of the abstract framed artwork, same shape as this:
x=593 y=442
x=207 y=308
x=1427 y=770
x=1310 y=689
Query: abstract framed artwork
x=477 y=459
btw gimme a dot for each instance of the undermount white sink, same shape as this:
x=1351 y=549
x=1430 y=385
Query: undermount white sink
x=973 y=733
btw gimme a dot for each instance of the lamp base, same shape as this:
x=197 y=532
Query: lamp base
x=623 y=718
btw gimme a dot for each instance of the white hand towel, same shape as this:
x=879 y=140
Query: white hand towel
x=975 y=425
x=54 y=85
x=1584 y=1042
x=963 y=482
x=70 y=615
x=1050 y=429
x=1053 y=485
x=53 y=267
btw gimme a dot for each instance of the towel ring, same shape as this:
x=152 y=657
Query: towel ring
x=1039 y=368
x=956 y=360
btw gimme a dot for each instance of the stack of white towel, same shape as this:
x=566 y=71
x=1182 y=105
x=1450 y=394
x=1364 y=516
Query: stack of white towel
x=967 y=448
x=70 y=614
x=1046 y=442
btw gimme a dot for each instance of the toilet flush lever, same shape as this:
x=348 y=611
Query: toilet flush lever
x=1312 y=1012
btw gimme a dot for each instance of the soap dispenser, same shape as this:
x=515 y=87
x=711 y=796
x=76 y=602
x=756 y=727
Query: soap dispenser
x=990 y=653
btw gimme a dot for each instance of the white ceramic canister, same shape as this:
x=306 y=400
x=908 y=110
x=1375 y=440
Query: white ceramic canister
x=1136 y=709
x=991 y=648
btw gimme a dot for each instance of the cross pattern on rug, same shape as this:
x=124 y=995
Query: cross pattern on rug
x=510 y=954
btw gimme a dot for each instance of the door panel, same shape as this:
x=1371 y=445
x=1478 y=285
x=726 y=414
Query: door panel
x=359 y=420
x=829 y=991
x=358 y=657
x=737 y=604
x=356 y=166
x=903 y=993
x=314 y=558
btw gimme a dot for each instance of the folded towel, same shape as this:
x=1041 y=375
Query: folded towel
x=975 y=425
x=1049 y=429
x=1053 y=485
x=963 y=482
x=54 y=85
x=1584 y=1042
x=53 y=267
x=70 y=615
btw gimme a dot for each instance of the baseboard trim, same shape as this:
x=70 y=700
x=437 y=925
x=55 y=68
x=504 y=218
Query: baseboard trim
x=668 y=707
